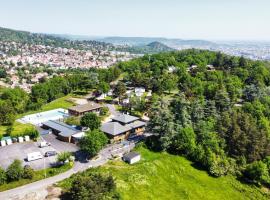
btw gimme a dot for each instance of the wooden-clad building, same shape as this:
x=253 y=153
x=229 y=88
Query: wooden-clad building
x=80 y=110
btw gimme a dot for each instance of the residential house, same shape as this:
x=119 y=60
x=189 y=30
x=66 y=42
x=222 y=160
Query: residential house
x=81 y=110
x=122 y=127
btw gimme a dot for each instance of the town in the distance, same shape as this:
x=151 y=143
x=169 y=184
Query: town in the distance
x=133 y=118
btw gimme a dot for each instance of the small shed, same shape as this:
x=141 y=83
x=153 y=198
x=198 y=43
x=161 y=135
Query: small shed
x=132 y=157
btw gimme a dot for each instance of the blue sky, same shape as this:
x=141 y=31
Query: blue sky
x=188 y=19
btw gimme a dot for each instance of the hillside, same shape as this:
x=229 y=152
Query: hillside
x=151 y=48
x=10 y=35
x=160 y=176
x=139 y=41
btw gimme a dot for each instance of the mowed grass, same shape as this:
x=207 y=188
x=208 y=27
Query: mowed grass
x=18 y=128
x=161 y=176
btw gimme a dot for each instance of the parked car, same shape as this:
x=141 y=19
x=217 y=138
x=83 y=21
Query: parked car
x=50 y=153
x=44 y=144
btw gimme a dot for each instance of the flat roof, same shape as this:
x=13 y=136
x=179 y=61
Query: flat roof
x=124 y=118
x=64 y=129
x=85 y=107
x=131 y=155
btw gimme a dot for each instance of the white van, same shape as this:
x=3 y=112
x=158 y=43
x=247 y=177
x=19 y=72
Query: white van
x=34 y=156
x=44 y=144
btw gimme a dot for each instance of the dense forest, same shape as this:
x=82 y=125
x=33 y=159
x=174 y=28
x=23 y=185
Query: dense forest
x=217 y=113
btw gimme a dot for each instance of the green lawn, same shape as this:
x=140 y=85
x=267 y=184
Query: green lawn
x=20 y=128
x=38 y=175
x=163 y=176
x=17 y=128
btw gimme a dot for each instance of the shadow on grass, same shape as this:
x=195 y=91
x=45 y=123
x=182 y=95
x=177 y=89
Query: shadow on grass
x=153 y=143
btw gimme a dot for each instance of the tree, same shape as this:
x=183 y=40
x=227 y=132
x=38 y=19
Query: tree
x=91 y=120
x=184 y=141
x=93 y=142
x=7 y=113
x=162 y=124
x=3 y=73
x=17 y=97
x=93 y=186
x=3 y=176
x=120 y=90
x=15 y=171
x=103 y=87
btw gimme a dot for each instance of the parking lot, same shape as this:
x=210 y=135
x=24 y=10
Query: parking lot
x=58 y=145
x=20 y=150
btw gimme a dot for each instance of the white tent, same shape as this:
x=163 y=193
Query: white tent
x=9 y=141
x=27 y=138
x=20 y=139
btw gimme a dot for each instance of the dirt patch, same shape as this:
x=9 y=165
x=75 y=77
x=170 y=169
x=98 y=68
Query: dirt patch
x=53 y=193
x=78 y=101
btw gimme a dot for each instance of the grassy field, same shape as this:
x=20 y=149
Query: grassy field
x=38 y=175
x=161 y=176
x=58 y=103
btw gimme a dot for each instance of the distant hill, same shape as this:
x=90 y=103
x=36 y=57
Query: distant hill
x=139 y=41
x=142 y=41
x=151 y=48
x=158 y=46
x=10 y=35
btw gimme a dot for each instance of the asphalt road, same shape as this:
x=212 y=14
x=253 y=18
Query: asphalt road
x=80 y=165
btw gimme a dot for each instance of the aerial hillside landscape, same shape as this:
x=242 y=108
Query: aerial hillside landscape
x=134 y=100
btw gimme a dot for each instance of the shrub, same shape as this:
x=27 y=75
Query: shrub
x=104 y=111
x=257 y=172
x=73 y=121
x=15 y=171
x=3 y=176
x=33 y=133
x=63 y=157
x=28 y=172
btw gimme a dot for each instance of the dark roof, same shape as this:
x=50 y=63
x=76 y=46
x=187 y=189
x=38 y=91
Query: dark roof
x=130 y=155
x=64 y=129
x=137 y=124
x=114 y=128
x=85 y=107
x=123 y=118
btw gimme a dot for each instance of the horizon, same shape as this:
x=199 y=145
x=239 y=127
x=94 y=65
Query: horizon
x=244 y=20
x=93 y=37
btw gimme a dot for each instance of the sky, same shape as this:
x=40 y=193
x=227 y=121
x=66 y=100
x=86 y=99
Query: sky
x=186 y=19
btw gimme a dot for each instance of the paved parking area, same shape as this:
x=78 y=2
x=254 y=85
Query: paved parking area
x=58 y=145
x=20 y=150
